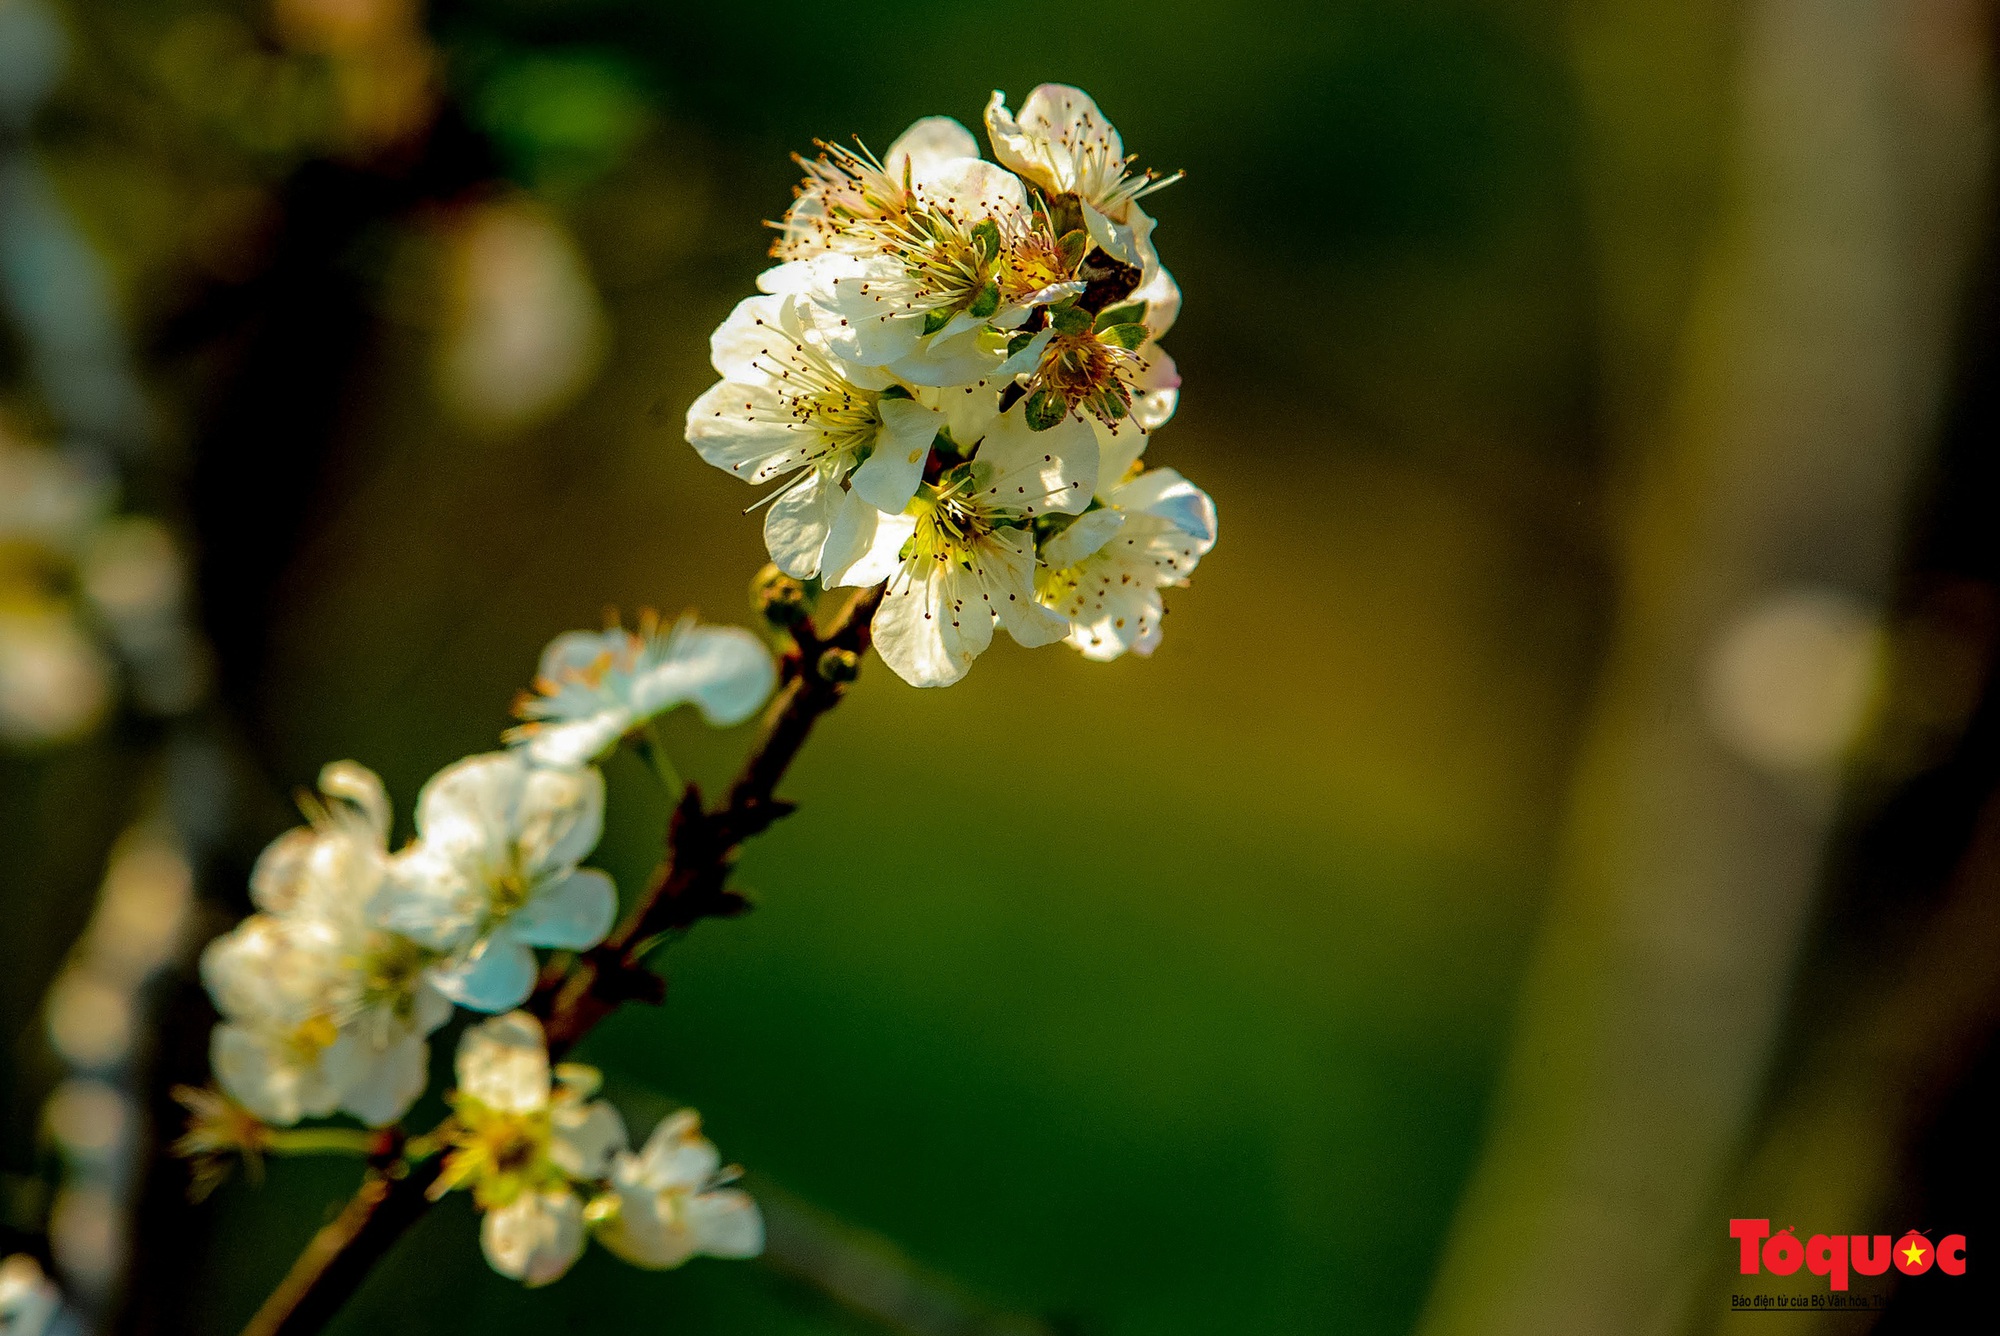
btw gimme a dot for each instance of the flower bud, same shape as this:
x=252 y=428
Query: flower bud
x=778 y=597
x=839 y=665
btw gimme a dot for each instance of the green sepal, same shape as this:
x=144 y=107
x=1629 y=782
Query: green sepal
x=1020 y=340
x=897 y=391
x=936 y=319
x=1124 y=336
x=1073 y=244
x=1129 y=313
x=1069 y=319
x=986 y=239
x=987 y=302
x=1045 y=409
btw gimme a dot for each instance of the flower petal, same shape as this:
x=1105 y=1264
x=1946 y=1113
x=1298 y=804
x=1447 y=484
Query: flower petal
x=586 y=1136
x=724 y=670
x=384 y=1082
x=865 y=545
x=559 y=820
x=888 y=478
x=571 y=913
x=795 y=525
x=504 y=1063
x=726 y=1223
x=497 y=973
x=926 y=146
x=536 y=1237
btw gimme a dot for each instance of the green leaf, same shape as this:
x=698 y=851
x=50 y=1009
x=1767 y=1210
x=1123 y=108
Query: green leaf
x=987 y=302
x=1129 y=313
x=1069 y=320
x=936 y=319
x=1125 y=336
x=1045 y=409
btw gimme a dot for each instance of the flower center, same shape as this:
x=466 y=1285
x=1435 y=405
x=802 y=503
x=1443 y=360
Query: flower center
x=313 y=1038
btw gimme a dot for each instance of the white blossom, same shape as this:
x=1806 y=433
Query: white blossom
x=962 y=556
x=1104 y=572
x=1062 y=143
x=593 y=687
x=788 y=408
x=323 y=1012
x=846 y=189
x=29 y=1300
x=671 y=1201
x=493 y=872
x=523 y=1136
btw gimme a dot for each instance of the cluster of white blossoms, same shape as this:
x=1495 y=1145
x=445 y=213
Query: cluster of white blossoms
x=531 y=1145
x=951 y=376
x=356 y=954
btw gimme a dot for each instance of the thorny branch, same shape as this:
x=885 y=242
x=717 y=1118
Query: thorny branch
x=690 y=884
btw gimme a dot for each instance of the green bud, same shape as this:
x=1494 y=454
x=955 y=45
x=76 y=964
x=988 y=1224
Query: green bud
x=987 y=302
x=778 y=598
x=1045 y=409
x=839 y=665
x=1125 y=336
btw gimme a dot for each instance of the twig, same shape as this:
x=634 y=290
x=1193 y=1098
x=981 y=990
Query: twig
x=691 y=884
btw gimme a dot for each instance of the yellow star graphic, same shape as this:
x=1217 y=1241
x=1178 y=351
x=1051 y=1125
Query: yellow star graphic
x=1914 y=1252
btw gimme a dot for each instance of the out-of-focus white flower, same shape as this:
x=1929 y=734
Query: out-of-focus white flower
x=323 y=1012
x=1063 y=143
x=29 y=1300
x=524 y=330
x=961 y=557
x=788 y=408
x=1105 y=571
x=671 y=1201
x=519 y=1143
x=55 y=683
x=494 y=872
x=593 y=687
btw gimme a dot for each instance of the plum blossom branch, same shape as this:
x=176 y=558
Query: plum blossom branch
x=688 y=886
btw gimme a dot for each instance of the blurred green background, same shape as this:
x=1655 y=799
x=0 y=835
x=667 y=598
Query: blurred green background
x=1167 y=996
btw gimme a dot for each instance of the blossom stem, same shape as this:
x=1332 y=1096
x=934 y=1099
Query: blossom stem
x=322 y=1141
x=689 y=885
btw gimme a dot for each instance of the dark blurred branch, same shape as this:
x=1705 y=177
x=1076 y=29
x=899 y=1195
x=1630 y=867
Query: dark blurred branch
x=690 y=885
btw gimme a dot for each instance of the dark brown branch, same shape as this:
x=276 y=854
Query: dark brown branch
x=691 y=884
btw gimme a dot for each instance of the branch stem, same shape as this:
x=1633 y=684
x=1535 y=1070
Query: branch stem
x=690 y=884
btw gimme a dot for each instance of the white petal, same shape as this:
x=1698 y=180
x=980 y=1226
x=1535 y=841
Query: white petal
x=429 y=896
x=560 y=818
x=1067 y=114
x=952 y=358
x=795 y=524
x=928 y=144
x=358 y=786
x=726 y=1224
x=1163 y=301
x=260 y=1071
x=1005 y=570
x=572 y=913
x=744 y=337
x=465 y=811
x=971 y=188
x=677 y=1155
x=497 y=973
x=578 y=741
x=888 y=478
x=536 y=1237
x=865 y=546
x=586 y=1136
x=1037 y=472
x=724 y=670
x=1165 y=493
x=1085 y=535
x=864 y=307
x=504 y=1063
x=924 y=629
x=279 y=876
x=574 y=653
x=748 y=432
x=1118 y=449
x=388 y=1080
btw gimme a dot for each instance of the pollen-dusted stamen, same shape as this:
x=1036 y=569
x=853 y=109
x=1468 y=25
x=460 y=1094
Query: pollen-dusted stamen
x=842 y=187
x=1088 y=371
